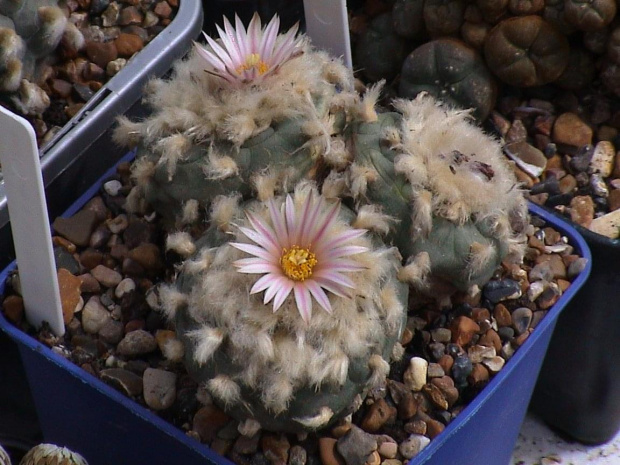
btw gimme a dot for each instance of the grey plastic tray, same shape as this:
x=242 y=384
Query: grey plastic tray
x=88 y=130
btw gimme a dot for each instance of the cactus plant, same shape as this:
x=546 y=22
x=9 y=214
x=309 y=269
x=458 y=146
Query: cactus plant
x=284 y=366
x=459 y=209
x=233 y=120
x=30 y=30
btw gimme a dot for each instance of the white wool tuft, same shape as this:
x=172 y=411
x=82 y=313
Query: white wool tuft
x=416 y=270
x=265 y=184
x=173 y=350
x=127 y=132
x=182 y=243
x=379 y=369
x=370 y=217
x=334 y=185
x=360 y=176
x=191 y=211
x=421 y=215
x=479 y=256
x=172 y=148
x=220 y=166
x=207 y=340
x=171 y=300
x=223 y=209
x=225 y=389
x=366 y=108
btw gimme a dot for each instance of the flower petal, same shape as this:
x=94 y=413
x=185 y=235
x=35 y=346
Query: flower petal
x=242 y=38
x=339 y=240
x=259 y=268
x=291 y=224
x=278 y=224
x=264 y=282
x=269 y=37
x=303 y=301
x=318 y=294
x=323 y=224
x=345 y=251
x=332 y=287
x=255 y=34
x=334 y=277
x=285 y=47
x=282 y=294
x=345 y=265
x=262 y=237
x=256 y=251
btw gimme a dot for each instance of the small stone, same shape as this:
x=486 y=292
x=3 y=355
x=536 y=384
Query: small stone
x=13 y=308
x=477 y=353
x=77 y=228
x=113 y=187
x=569 y=129
x=378 y=415
x=64 y=259
x=356 y=446
x=443 y=335
x=70 y=293
x=527 y=157
x=94 y=315
x=463 y=330
x=435 y=370
x=297 y=455
x=446 y=362
x=275 y=447
x=130 y=15
x=614 y=200
x=106 y=276
x=112 y=332
x=479 y=375
x=110 y=16
x=115 y=66
x=136 y=343
x=501 y=290
x=328 y=453
x=415 y=375
x=128 y=44
x=148 y=256
x=101 y=53
x=436 y=397
x=502 y=315
x=607 y=225
x=207 y=421
x=163 y=10
x=576 y=267
x=126 y=286
x=159 y=388
x=219 y=446
x=449 y=391
x=412 y=446
x=461 y=369
x=603 y=158
x=494 y=364
x=541 y=272
x=434 y=428
x=125 y=381
x=89 y=284
x=491 y=339
x=582 y=210
x=521 y=319
x=535 y=289
x=392 y=462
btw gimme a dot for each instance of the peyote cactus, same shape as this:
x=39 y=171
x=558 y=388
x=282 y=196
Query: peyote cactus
x=30 y=31
x=242 y=120
x=459 y=209
x=284 y=366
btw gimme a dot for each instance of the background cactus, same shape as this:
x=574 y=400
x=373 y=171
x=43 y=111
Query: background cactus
x=457 y=204
x=30 y=31
x=275 y=368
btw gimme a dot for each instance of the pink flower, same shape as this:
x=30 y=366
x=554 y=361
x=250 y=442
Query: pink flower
x=301 y=250
x=249 y=56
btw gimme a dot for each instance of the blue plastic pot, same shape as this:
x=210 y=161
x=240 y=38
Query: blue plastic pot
x=78 y=411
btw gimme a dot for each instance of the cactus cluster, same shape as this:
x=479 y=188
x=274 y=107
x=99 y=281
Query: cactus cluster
x=460 y=50
x=381 y=201
x=30 y=31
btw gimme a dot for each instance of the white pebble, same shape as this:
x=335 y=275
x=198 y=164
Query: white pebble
x=607 y=225
x=603 y=158
x=415 y=375
x=126 y=286
x=112 y=187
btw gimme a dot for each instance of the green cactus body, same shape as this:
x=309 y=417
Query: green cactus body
x=206 y=139
x=30 y=30
x=271 y=366
x=457 y=208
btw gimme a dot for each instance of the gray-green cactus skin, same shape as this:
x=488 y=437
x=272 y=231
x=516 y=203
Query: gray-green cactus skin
x=279 y=148
x=30 y=30
x=448 y=243
x=308 y=402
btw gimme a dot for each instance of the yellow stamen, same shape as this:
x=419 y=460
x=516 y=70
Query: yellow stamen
x=297 y=263
x=253 y=61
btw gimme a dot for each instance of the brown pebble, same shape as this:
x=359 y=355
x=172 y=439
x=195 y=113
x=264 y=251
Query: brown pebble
x=275 y=447
x=435 y=396
x=341 y=429
x=434 y=428
x=463 y=330
x=77 y=228
x=163 y=10
x=479 y=375
x=568 y=184
x=101 y=53
x=373 y=459
x=446 y=385
x=13 y=308
x=134 y=325
x=480 y=314
x=64 y=243
x=60 y=88
x=147 y=255
x=93 y=72
x=582 y=210
x=130 y=15
x=89 y=284
x=614 y=200
x=406 y=337
x=569 y=129
x=73 y=109
x=378 y=415
x=128 y=44
x=407 y=407
x=328 y=453
x=446 y=362
x=491 y=339
x=70 y=293
x=415 y=427
x=90 y=258
x=208 y=420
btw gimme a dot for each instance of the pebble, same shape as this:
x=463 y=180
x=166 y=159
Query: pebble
x=106 y=276
x=13 y=308
x=297 y=455
x=113 y=67
x=130 y=15
x=356 y=446
x=328 y=453
x=136 y=343
x=582 y=210
x=463 y=330
x=101 y=53
x=412 y=446
x=569 y=129
x=111 y=332
x=388 y=449
x=159 y=388
x=125 y=381
x=126 y=286
x=275 y=447
x=379 y=413
x=607 y=225
x=494 y=364
x=603 y=158
x=147 y=255
x=78 y=228
x=527 y=157
x=207 y=421
x=70 y=293
x=501 y=289
x=461 y=369
x=112 y=187
x=415 y=375
x=127 y=45
x=94 y=316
